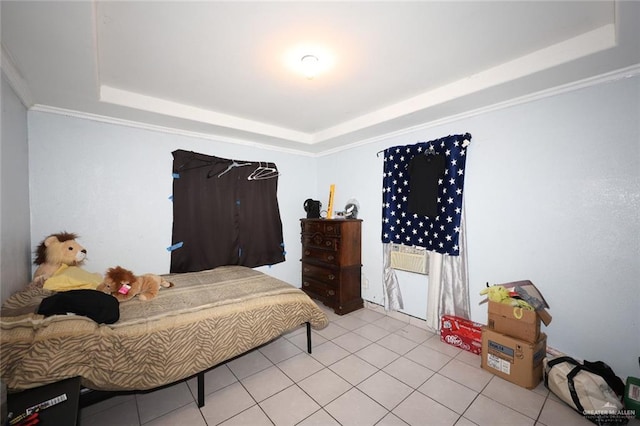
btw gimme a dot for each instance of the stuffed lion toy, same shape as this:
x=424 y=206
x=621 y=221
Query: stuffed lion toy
x=53 y=252
x=122 y=284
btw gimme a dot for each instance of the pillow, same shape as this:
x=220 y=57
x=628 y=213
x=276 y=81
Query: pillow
x=72 y=278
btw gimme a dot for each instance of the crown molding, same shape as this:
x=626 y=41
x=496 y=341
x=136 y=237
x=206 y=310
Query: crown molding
x=624 y=73
x=621 y=74
x=163 y=129
x=142 y=102
x=14 y=78
x=583 y=45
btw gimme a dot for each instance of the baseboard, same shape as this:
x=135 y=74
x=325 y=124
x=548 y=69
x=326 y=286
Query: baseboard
x=411 y=320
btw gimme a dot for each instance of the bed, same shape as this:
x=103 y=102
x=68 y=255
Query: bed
x=207 y=318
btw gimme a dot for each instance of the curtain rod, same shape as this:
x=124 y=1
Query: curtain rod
x=465 y=136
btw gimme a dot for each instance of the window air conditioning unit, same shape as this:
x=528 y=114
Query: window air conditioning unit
x=411 y=259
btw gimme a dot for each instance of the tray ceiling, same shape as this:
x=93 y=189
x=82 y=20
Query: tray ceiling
x=229 y=69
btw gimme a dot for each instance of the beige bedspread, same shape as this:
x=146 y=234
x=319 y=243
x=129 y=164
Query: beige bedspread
x=206 y=318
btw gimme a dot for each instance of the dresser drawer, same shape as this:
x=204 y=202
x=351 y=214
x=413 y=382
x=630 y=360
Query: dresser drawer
x=318 y=240
x=318 y=273
x=319 y=255
x=325 y=227
x=323 y=291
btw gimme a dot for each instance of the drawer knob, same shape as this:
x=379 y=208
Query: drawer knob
x=327 y=243
x=331 y=293
x=305 y=284
x=307 y=252
x=329 y=228
x=331 y=277
x=306 y=269
x=330 y=257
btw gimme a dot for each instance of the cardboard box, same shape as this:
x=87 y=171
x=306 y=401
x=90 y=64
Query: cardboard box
x=515 y=360
x=516 y=322
x=527 y=291
x=462 y=333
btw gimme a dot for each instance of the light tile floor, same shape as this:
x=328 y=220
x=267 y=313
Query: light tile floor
x=366 y=368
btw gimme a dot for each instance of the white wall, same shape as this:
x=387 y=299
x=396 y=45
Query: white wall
x=111 y=185
x=552 y=195
x=15 y=251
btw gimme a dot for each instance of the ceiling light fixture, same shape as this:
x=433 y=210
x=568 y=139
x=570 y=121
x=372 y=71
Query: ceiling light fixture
x=310 y=65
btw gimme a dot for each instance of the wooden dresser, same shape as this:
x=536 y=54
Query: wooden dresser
x=331 y=262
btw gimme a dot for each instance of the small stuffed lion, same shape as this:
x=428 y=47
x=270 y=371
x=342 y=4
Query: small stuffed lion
x=124 y=285
x=57 y=250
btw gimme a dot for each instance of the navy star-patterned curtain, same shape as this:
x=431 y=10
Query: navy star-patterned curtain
x=422 y=189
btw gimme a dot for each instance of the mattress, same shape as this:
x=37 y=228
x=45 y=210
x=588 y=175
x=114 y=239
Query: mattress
x=206 y=318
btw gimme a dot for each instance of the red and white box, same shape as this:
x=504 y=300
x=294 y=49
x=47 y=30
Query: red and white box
x=461 y=332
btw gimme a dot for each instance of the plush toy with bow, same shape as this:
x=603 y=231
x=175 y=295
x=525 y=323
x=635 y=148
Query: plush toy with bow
x=122 y=284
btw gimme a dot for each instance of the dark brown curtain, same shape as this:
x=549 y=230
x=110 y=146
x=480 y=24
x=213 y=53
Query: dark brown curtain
x=220 y=217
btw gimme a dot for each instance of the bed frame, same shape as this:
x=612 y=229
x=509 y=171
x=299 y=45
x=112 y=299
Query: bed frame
x=89 y=396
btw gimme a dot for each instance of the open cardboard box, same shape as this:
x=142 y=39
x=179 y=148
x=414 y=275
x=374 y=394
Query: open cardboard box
x=514 y=321
x=530 y=293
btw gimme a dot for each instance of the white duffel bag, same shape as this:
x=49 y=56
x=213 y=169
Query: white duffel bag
x=589 y=388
